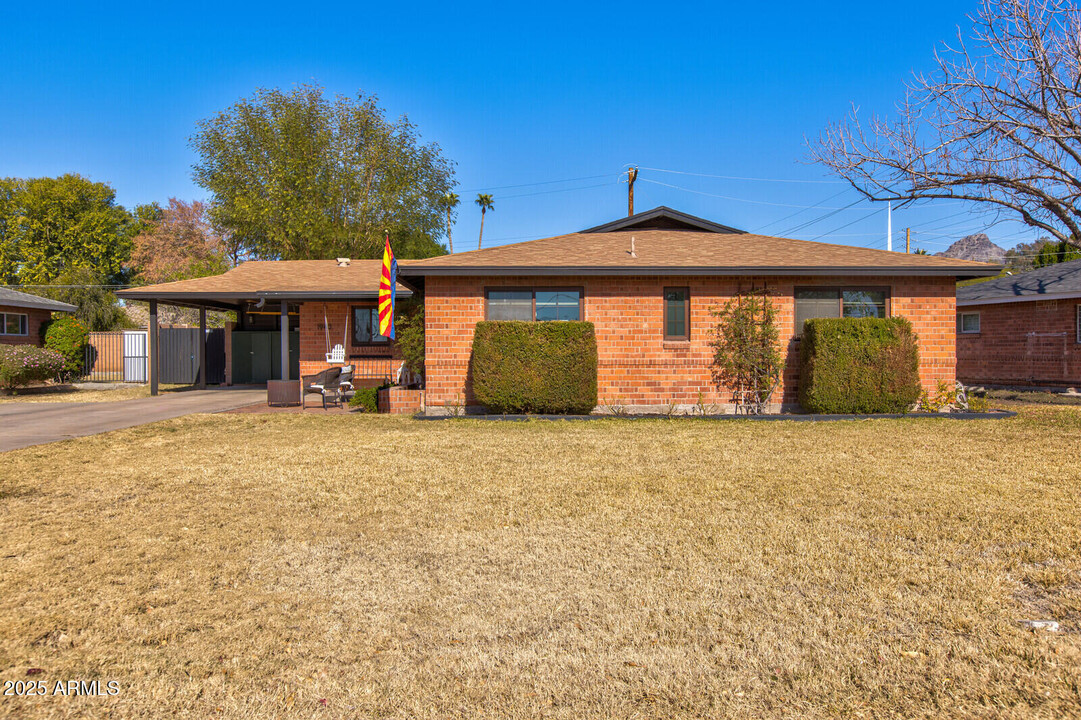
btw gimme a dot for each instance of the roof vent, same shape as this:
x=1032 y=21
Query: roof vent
x=343 y=262
x=633 y=253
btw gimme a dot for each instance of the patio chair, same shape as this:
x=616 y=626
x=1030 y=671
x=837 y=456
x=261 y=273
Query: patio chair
x=336 y=355
x=325 y=384
x=345 y=383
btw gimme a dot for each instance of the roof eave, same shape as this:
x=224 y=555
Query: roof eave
x=951 y=271
x=135 y=294
x=56 y=306
x=1069 y=295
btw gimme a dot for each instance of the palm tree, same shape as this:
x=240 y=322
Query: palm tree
x=449 y=202
x=486 y=204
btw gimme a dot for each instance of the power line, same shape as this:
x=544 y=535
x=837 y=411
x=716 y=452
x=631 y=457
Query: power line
x=753 y=179
x=792 y=215
x=820 y=218
x=736 y=199
x=873 y=212
x=546 y=182
x=549 y=192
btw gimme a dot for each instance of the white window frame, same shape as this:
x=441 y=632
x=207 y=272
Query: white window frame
x=25 y=324
x=961 y=323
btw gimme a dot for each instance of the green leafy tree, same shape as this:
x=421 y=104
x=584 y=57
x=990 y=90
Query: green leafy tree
x=745 y=355
x=1053 y=253
x=297 y=175
x=50 y=225
x=409 y=332
x=87 y=289
x=484 y=201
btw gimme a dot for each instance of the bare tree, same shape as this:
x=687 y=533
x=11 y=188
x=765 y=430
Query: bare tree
x=998 y=122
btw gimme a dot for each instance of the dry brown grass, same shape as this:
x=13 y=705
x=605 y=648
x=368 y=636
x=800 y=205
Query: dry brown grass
x=68 y=393
x=357 y=566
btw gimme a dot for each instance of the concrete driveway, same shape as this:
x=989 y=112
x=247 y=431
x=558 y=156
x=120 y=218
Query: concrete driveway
x=25 y=424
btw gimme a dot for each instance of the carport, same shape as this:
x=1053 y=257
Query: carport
x=311 y=306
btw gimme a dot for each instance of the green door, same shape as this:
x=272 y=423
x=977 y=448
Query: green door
x=261 y=365
x=257 y=356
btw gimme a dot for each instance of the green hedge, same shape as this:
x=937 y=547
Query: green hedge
x=535 y=367
x=68 y=336
x=858 y=365
x=24 y=364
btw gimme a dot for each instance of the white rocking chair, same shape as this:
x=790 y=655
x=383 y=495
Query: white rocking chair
x=337 y=355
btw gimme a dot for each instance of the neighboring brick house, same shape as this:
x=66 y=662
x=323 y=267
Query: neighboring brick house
x=22 y=315
x=1022 y=329
x=648 y=283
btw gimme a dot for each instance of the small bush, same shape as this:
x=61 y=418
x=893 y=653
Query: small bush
x=745 y=355
x=535 y=367
x=859 y=365
x=68 y=336
x=21 y=365
x=367 y=398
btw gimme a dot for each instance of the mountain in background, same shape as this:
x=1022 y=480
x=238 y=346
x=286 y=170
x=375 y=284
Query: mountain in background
x=975 y=247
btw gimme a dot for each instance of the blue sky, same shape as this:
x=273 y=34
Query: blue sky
x=519 y=95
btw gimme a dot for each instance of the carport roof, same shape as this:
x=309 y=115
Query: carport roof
x=272 y=280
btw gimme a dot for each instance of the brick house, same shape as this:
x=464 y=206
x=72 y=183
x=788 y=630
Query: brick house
x=22 y=315
x=648 y=281
x=1022 y=329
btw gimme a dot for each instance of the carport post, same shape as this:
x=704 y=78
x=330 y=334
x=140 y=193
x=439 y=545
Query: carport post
x=152 y=333
x=202 y=348
x=285 y=340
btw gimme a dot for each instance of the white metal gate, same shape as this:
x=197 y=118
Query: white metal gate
x=136 y=357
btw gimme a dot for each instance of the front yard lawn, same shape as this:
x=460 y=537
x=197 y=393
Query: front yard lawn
x=250 y=566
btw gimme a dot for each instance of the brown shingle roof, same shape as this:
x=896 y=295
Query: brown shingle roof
x=679 y=252
x=289 y=279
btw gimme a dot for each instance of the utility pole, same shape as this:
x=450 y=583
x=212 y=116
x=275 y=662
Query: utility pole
x=632 y=175
x=889 y=226
x=908 y=240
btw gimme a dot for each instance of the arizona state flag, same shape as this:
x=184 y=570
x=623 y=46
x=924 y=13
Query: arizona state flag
x=388 y=287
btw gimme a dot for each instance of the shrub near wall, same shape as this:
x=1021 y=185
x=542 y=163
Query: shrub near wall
x=858 y=365
x=68 y=336
x=25 y=364
x=535 y=367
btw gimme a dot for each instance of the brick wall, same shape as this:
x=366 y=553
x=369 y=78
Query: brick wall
x=33 y=322
x=374 y=362
x=637 y=367
x=1022 y=343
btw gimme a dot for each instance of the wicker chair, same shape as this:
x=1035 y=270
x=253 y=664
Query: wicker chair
x=326 y=384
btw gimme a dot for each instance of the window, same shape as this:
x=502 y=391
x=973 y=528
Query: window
x=541 y=304
x=677 y=314
x=1077 y=336
x=557 y=304
x=366 y=326
x=510 y=304
x=839 y=302
x=968 y=323
x=13 y=324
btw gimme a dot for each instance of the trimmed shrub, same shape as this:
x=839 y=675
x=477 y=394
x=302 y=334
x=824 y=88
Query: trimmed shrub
x=68 y=336
x=535 y=367
x=24 y=364
x=859 y=365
